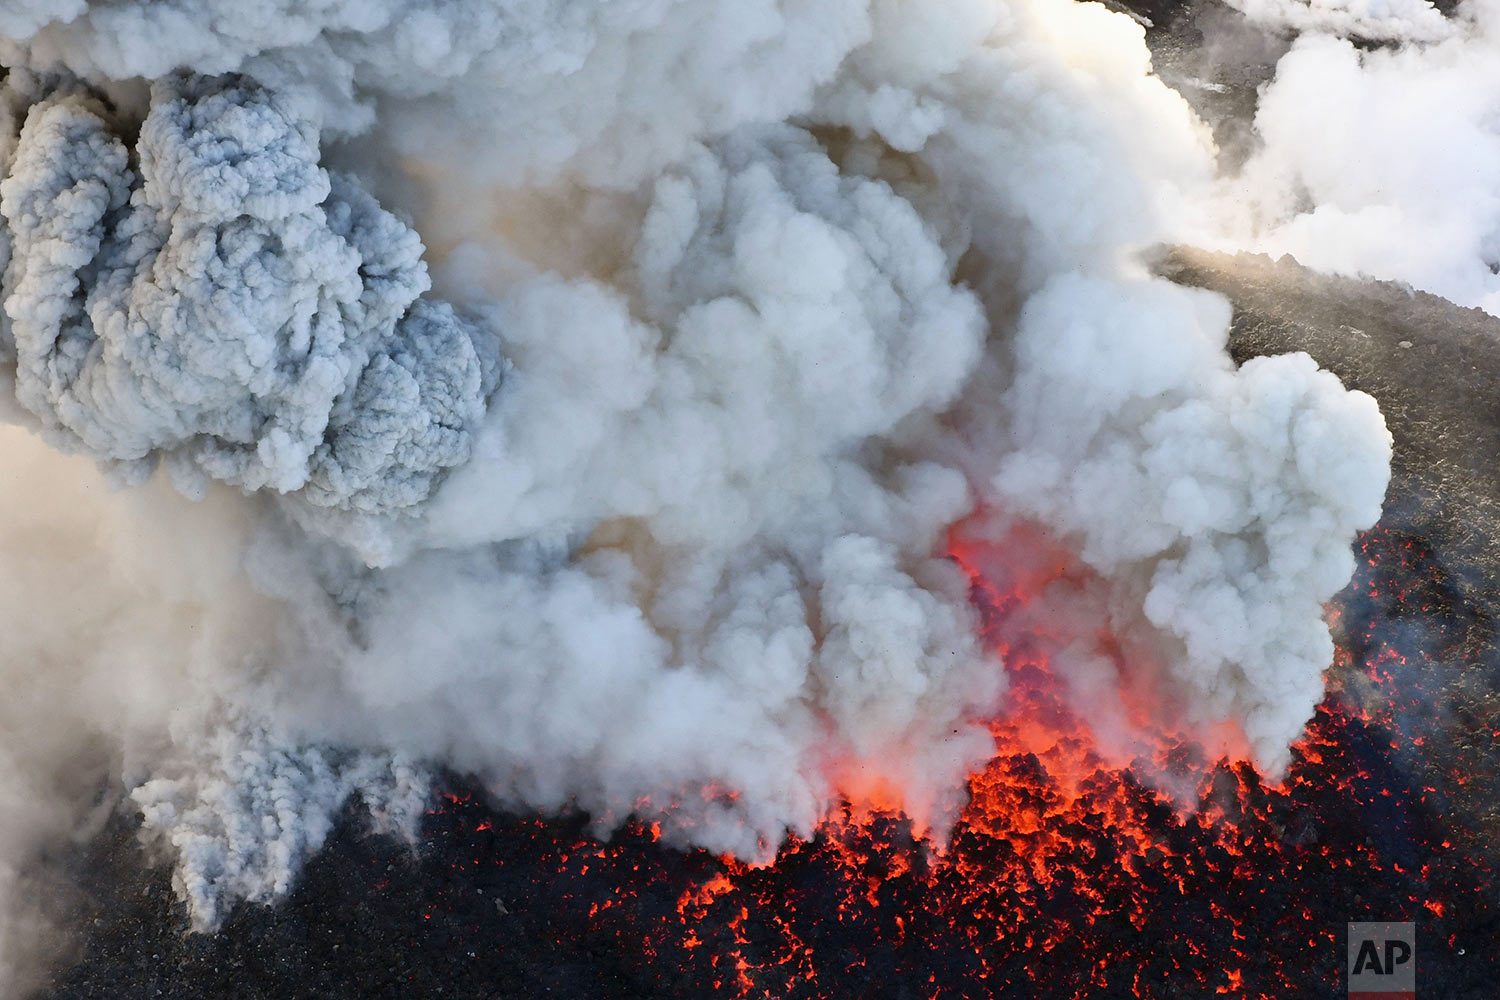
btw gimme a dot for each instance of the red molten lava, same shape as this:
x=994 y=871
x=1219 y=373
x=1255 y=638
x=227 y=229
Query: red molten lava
x=1070 y=874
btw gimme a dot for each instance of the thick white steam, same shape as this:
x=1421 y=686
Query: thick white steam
x=1385 y=162
x=1218 y=502
x=1369 y=20
x=751 y=303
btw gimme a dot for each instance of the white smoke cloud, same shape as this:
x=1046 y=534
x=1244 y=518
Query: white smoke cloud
x=1385 y=163
x=128 y=614
x=1371 y=20
x=1224 y=500
x=756 y=302
x=523 y=90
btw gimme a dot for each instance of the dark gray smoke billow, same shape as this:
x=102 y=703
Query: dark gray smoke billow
x=212 y=298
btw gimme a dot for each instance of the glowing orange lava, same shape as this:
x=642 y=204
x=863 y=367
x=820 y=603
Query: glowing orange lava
x=1069 y=874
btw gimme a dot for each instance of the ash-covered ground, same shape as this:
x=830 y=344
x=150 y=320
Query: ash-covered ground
x=1389 y=812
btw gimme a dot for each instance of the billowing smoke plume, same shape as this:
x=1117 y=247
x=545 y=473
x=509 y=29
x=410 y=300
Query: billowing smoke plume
x=1383 y=161
x=743 y=307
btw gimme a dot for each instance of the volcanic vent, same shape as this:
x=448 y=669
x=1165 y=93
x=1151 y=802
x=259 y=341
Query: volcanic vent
x=682 y=499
